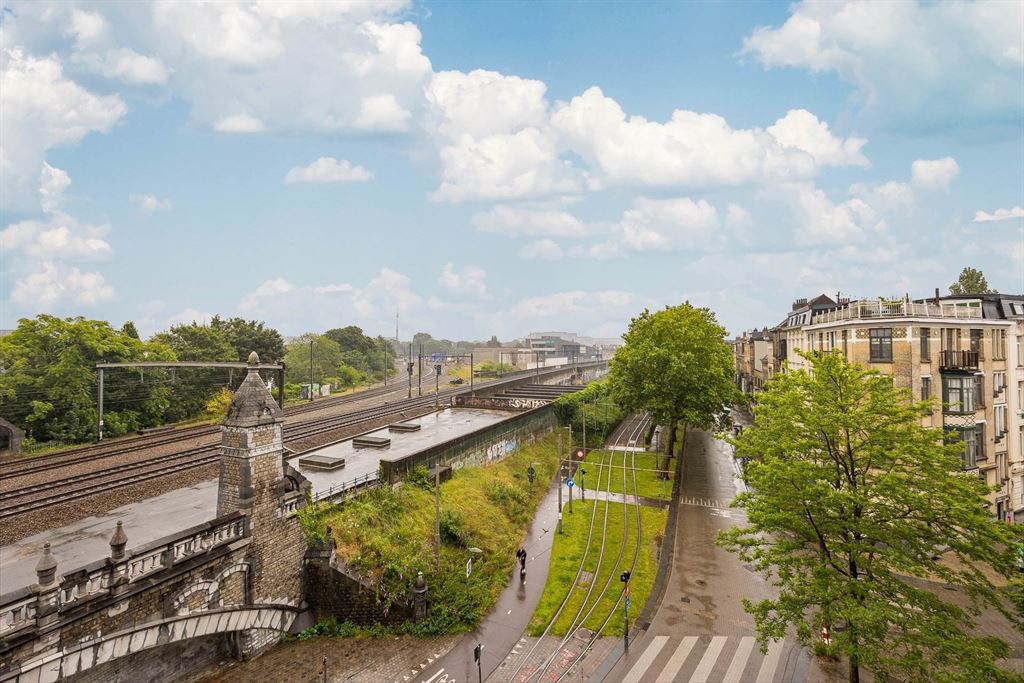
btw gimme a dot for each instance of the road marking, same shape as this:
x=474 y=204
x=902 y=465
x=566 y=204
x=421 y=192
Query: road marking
x=678 y=659
x=635 y=674
x=707 y=662
x=428 y=680
x=771 y=661
x=508 y=612
x=739 y=661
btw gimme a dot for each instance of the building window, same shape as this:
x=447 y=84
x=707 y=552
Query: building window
x=1002 y=471
x=976 y=337
x=926 y=338
x=998 y=422
x=1020 y=396
x=846 y=339
x=959 y=393
x=1020 y=351
x=999 y=344
x=881 y=343
x=926 y=388
x=972 y=444
x=998 y=383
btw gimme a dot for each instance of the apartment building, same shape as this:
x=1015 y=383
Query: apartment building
x=967 y=352
x=753 y=358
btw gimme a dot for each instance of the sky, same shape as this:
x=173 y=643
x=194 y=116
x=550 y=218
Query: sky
x=496 y=168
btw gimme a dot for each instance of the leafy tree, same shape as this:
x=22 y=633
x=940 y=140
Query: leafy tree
x=246 y=336
x=971 y=281
x=191 y=388
x=849 y=496
x=359 y=351
x=676 y=364
x=327 y=359
x=493 y=342
x=129 y=329
x=48 y=379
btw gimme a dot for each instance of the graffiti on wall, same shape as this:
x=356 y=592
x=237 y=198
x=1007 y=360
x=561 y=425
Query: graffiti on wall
x=526 y=403
x=500 y=449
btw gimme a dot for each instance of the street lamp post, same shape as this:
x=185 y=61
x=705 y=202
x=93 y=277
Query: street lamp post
x=624 y=578
x=310 y=369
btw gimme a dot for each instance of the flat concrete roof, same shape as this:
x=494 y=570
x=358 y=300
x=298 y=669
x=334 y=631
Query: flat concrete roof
x=434 y=428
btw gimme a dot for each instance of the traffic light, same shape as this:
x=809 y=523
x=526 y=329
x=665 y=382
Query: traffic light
x=476 y=653
x=579 y=453
x=437 y=369
x=624 y=577
x=409 y=366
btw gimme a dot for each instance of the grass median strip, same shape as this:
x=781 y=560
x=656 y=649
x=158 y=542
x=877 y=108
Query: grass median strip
x=565 y=561
x=649 y=481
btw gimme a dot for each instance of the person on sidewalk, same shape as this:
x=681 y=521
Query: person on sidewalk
x=521 y=556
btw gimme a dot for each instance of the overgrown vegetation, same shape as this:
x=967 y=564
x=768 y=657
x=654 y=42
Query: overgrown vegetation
x=388 y=535
x=596 y=405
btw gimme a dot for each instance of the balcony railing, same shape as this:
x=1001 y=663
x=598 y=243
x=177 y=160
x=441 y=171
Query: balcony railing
x=958 y=360
x=876 y=308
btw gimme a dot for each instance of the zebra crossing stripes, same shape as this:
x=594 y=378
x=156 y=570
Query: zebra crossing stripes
x=707 y=662
x=704 y=502
x=668 y=674
x=640 y=668
x=700 y=659
x=739 y=661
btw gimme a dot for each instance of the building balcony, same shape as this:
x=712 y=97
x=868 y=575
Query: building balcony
x=868 y=309
x=958 y=360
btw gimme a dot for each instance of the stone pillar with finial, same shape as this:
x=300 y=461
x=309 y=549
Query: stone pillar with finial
x=251 y=443
x=118 y=541
x=419 y=598
x=46 y=588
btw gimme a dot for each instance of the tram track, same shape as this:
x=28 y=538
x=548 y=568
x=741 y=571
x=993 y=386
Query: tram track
x=632 y=431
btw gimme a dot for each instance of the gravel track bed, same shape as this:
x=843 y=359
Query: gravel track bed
x=29 y=523
x=99 y=464
x=26 y=524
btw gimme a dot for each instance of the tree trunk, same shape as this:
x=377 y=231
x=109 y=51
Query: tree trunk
x=671 y=446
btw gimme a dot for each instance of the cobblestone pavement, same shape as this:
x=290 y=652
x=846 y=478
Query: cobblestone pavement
x=528 y=656
x=366 y=660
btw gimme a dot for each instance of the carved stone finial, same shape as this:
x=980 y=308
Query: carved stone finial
x=254 y=359
x=46 y=569
x=117 y=543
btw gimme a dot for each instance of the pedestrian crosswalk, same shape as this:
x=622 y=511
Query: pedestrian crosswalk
x=701 y=659
x=704 y=502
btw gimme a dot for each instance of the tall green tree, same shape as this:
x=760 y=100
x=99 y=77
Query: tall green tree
x=849 y=495
x=676 y=364
x=48 y=379
x=971 y=281
x=192 y=388
x=246 y=336
x=327 y=359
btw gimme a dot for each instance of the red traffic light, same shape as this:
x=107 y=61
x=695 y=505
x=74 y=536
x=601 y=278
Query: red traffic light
x=579 y=453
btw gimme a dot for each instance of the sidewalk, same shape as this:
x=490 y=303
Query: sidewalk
x=501 y=631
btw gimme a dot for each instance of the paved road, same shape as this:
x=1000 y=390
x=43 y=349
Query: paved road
x=700 y=632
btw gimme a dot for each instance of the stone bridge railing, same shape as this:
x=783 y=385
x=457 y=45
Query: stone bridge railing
x=149 y=635
x=29 y=611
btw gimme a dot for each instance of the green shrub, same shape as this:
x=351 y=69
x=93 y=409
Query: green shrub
x=454 y=529
x=420 y=477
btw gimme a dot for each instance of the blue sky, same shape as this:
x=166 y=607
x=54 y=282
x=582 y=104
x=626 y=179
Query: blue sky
x=497 y=168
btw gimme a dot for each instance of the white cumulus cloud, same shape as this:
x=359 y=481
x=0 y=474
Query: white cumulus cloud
x=933 y=174
x=915 y=65
x=471 y=282
x=328 y=170
x=513 y=221
x=150 y=203
x=542 y=249
x=999 y=215
x=239 y=123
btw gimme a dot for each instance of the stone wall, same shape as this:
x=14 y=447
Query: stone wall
x=331 y=592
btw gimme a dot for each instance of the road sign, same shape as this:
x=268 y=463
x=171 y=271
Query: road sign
x=579 y=453
x=469 y=567
x=570 y=483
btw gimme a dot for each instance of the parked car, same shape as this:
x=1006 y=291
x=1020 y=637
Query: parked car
x=457 y=380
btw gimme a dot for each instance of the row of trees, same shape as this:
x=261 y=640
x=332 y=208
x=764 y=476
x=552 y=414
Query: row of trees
x=48 y=376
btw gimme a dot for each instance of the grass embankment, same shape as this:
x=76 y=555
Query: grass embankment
x=568 y=551
x=388 y=535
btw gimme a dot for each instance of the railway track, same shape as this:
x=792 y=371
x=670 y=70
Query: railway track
x=52 y=461
x=632 y=431
x=54 y=492
x=43 y=463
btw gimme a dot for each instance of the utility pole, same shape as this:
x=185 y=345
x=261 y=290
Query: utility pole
x=310 y=369
x=419 y=376
x=437 y=516
x=471 y=390
x=559 y=473
x=624 y=577
x=385 y=344
x=99 y=412
x=408 y=366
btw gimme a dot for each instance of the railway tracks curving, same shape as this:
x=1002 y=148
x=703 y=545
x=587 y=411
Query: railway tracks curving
x=631 y=432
